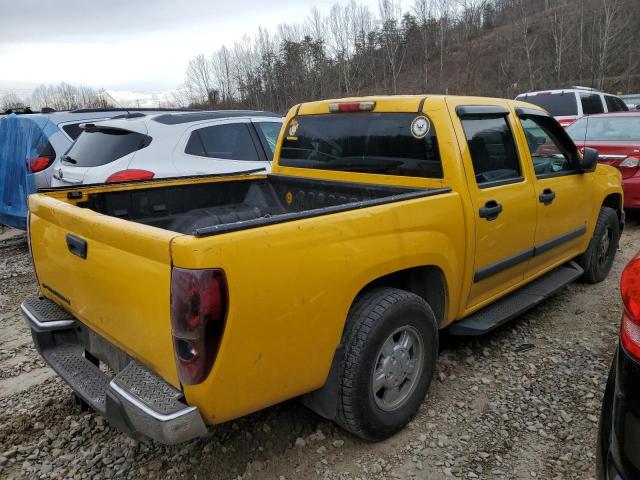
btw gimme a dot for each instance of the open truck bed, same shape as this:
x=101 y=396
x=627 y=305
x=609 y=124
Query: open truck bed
x=207 y=209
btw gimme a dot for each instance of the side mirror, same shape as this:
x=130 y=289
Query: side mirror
x=589 y=160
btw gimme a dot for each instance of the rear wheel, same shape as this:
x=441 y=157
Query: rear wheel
x=391 y=346
x=598 y=258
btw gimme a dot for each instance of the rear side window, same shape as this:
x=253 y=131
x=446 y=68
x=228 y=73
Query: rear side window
x=73 y=130
x=270 y=131
x=378 y=143
x=99 y=146
x=591 y=103
x=557 y=104
x=493 y=150
x=230 y=142
x=614 y=104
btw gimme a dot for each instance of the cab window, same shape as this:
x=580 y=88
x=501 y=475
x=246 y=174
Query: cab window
x=549 y=154
x=493 y=151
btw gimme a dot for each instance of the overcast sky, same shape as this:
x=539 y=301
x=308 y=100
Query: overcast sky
x=126 y=45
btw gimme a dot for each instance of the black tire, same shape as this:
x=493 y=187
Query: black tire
x=598 y=258
x=373 y=318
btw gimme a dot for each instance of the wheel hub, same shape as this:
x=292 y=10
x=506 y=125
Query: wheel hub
x=398 y=367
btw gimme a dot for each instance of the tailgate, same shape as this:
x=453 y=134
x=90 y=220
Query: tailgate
x=120 y=290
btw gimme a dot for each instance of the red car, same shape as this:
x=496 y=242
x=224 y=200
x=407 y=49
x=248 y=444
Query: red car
x=616 y=136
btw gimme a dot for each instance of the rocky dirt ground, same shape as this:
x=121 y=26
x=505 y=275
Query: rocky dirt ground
x=521 y=402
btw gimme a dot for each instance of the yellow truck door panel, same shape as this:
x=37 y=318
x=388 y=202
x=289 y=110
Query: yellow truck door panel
x=502 y=195
x=121 y=288
x=563 y=195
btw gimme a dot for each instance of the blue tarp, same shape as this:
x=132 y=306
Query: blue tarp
x=20 y=138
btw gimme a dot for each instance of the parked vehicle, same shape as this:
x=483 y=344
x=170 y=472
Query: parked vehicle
x=385 y=219
x=29 y=145
x=618 y=456
x=141 y=147
x=569 y=104
x=616 y=136
x=632 y=101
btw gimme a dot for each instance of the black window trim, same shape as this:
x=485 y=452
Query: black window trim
x=500 y=183
x=563 y=136
x=481 y=111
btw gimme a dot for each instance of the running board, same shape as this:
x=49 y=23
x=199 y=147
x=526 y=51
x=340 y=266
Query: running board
x=518 y=302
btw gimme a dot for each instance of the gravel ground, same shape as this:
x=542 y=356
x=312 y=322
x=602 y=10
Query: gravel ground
x=521 y=402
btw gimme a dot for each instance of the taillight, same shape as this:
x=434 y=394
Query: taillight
x=39 y=163
x=130 y=176
x=630 y=291
x=198 y=315
x=566 y=123
x=345 y=107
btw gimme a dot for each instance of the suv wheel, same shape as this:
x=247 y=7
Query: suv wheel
x=391 y=347
x=598 y=258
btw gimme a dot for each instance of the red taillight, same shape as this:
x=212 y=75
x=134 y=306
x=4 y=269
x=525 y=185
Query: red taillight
x=630 y=291
x=130 y=176
x=345 y=107
x=566 y=123
x=39 y=163
x=198 y=314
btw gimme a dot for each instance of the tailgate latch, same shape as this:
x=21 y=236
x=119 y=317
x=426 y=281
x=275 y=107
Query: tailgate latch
x=77 y=246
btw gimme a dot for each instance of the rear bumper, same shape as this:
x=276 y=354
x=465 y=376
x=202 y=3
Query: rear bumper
x=134 y=399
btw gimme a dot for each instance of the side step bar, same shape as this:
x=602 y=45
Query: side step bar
x=518 y=302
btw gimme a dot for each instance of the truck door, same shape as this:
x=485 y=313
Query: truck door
x=502 y=195
x=562 y=191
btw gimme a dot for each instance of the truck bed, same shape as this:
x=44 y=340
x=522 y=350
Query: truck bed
x=203 y=209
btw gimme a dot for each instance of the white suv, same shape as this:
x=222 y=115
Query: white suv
x=141 y=147
x=569 y=104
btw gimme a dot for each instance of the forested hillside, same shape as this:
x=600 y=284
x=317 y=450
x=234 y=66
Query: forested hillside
x=483 y=47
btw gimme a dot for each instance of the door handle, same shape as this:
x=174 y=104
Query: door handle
x=491 y=210
x=547 y=196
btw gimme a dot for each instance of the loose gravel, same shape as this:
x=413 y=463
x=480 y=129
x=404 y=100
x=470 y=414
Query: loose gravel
x=521 y=402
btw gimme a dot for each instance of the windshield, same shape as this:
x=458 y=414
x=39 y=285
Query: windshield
x=557 y=104
x=95 y=147
x=381 y=143
x=602 y=129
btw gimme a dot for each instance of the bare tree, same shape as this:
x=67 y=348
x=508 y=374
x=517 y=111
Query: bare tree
x=608 y=31
x=528 y=41
x=199 y=78
x=11 y=101
x=562 y=28
x=391 y=39
x=423 y=12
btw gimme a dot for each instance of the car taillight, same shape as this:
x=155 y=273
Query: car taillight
x=198 y=315
x=344 y=107
x=630 y=291
x=130 y=176
x=566 y=123
x=38 y=164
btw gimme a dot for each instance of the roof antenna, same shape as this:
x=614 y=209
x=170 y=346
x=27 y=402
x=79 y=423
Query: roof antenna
x=116 y=102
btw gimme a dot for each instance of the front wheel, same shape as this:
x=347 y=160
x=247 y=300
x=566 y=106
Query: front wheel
x=598 y=258
x=391 y=347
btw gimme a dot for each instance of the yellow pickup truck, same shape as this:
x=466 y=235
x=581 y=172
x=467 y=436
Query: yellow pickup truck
x=172 y=305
